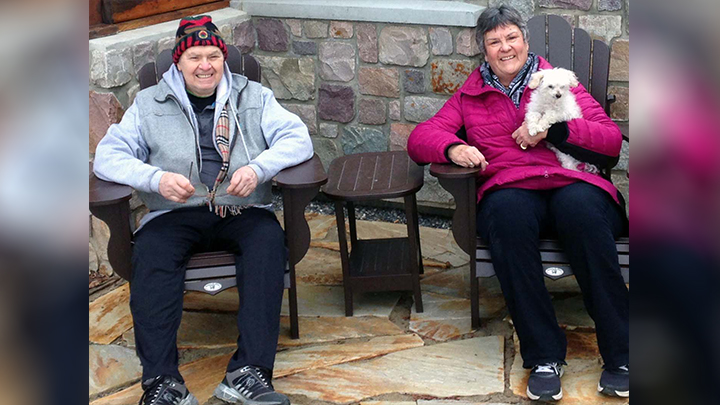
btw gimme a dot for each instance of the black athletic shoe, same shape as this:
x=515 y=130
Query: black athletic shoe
x=165 y=390
x=544 y=382
x=250 y=386
x=615 y=382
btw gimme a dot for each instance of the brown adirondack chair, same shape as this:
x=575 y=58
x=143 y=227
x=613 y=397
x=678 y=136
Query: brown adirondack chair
x=213 y=272
x=551 y=37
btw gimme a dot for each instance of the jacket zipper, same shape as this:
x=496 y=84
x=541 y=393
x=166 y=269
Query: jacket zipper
x=198 y=151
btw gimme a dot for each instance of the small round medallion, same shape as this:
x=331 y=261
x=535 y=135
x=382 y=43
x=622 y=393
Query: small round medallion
x=212 y=287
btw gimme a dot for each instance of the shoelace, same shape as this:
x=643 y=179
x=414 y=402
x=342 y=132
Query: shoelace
x=152 y=394
x=257 y=374
x=547 y=368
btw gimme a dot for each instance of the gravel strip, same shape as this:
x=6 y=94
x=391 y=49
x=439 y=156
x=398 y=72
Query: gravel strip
x=366 y=213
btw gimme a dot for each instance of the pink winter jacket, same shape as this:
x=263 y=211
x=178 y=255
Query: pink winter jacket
x=490 y=118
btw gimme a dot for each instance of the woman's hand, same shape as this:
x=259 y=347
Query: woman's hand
x=467 y=156
x=523 y=139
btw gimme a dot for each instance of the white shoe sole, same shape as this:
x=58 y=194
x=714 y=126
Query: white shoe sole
x=555 y=397
x=190 y=400
x=613 y=393
x=231 y=395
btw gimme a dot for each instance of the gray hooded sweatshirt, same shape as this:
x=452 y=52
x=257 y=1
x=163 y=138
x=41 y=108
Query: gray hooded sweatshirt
x=159 y=134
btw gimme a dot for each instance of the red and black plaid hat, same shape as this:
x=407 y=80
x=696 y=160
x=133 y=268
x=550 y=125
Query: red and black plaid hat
x=197 y=31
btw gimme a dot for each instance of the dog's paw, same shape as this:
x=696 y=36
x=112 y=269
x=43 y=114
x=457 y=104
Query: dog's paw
x=533 y=126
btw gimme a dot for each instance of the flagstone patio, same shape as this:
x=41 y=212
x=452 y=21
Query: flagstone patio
x=387 y=354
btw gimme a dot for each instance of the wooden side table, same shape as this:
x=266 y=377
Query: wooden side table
x=392 y=264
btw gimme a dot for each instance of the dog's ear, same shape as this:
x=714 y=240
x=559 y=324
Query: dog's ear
x=573 y=79
x=535 y=79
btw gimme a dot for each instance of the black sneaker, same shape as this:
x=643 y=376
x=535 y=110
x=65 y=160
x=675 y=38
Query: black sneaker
x=165 y=390
x=615 y=382
x=250 y=386
x=544 y=382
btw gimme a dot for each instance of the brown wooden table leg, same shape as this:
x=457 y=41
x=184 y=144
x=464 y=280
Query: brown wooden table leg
x=411 y=219
x=345 y=260
x=353 y=225
x=416 y=223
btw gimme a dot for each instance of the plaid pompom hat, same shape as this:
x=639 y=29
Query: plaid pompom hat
x=197 y=31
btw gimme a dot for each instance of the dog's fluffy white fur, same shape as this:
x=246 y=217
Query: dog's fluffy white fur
x=553 y=102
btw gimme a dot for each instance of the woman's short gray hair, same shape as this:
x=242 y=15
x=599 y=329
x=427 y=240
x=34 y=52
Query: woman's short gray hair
x=498 y=16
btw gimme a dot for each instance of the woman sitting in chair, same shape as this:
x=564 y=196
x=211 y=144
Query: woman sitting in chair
x=524 y=192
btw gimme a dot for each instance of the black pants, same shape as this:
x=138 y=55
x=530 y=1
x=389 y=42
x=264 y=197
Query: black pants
x=586 y=221
x=162 y=249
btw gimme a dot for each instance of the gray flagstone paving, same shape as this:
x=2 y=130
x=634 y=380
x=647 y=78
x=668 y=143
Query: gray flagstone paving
x=461 y=368
x=112 y=366
x=110 y=315
x=330 y=301
x=428 y=358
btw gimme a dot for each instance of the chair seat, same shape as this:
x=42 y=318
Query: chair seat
x=210 y=266
x=211 y=259
x=553 y=245
x=554 y=260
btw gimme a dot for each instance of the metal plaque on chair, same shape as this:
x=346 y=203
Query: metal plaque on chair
x=211 y=287
x=554 y=271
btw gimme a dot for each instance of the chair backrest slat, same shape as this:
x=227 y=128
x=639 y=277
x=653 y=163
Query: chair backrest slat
x=579 y=55
x=600 y=73
x=163 y=62
x=246 y=65
x=559 y=42
x=234 y=60
x=536 y=32
x=583 y=48
x=147 y=76
x=251 y=68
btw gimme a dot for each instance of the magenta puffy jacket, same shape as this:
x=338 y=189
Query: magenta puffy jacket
x=490 y=118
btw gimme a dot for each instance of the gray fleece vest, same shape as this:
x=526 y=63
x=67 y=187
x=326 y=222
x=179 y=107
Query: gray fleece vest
x=174 y=143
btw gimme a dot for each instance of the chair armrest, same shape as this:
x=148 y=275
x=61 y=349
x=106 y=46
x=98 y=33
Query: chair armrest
x=110 y=202
x=305 y=175
x=453 y=171
x=299 y=185
x=461 y=183
x=107 y=193
x=624 y=130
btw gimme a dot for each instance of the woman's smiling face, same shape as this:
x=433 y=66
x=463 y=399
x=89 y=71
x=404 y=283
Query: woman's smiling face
x=506 y=50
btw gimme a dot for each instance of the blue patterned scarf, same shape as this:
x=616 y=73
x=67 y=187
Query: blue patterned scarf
x=518 y=84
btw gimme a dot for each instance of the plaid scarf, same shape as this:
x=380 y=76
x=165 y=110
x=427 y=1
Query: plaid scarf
x=222 y=140
x=518 y=84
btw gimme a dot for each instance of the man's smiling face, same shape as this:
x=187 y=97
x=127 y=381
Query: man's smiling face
x=202 y=68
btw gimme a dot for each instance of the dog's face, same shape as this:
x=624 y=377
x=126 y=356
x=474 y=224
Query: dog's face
x=553 y=83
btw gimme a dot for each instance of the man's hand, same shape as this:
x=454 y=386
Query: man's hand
x=175 y=187
x=523 y=139
x=467 y=156
x=243 y=182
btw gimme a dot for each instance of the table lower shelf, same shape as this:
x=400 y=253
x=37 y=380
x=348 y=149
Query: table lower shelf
x=381 y=265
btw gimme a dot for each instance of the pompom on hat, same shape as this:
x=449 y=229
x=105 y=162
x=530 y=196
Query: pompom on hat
x=197 y=31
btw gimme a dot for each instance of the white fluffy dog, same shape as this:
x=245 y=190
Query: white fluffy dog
x=553 y=102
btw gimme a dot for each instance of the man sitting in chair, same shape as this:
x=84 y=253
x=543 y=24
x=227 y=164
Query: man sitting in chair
x=201 y=147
